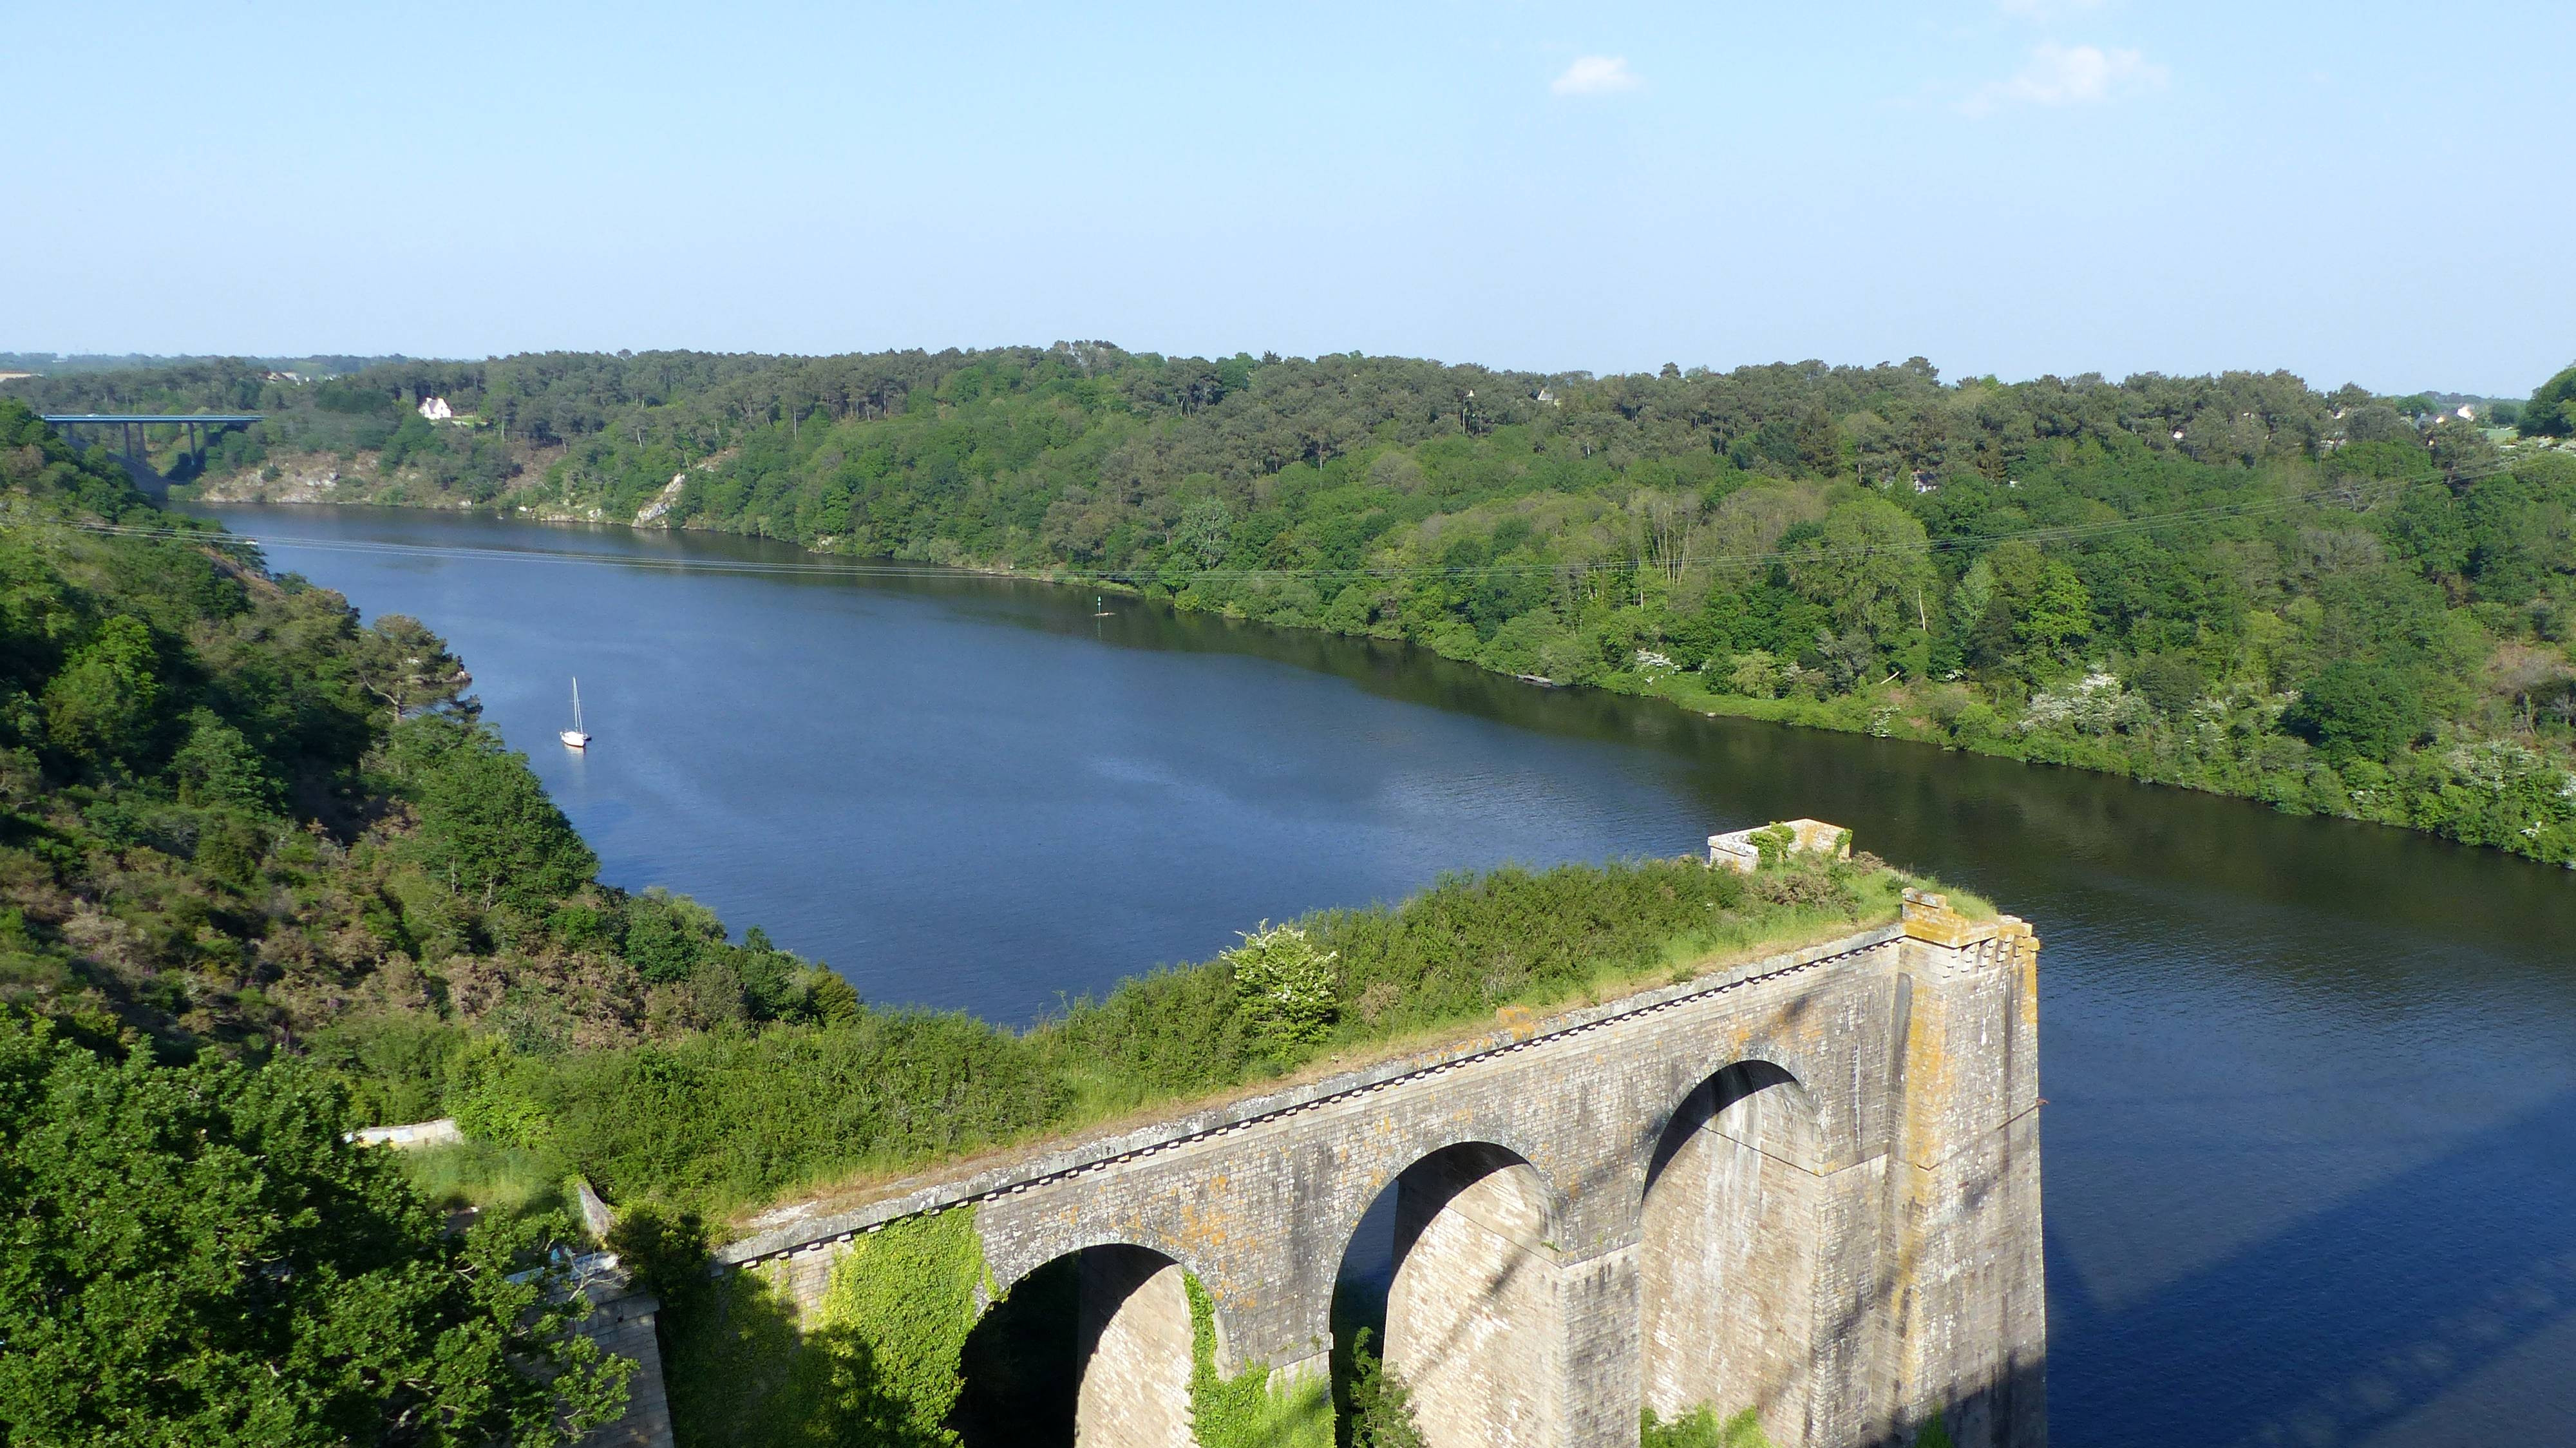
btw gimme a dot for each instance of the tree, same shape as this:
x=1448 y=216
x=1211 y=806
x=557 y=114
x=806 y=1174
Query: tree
x=401 y=662
x=2050 y=606
x=104 y=704
x=2552 y=409
x=217 y=766
x=1284 y=986
x=1869 y=565
x=486 y=825
x=194 y=1255
x=2361 y=708
x=1376 y=1404
x=1204 y=534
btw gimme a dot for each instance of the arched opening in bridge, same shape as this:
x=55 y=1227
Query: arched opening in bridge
x=1449 y=1274
x=1092 y=1348
x=1727 y=1256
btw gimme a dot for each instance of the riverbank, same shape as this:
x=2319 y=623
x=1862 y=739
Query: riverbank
x=2497 y=792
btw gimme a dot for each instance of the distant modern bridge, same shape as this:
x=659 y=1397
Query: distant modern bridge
x=194 y=427
x=1807 y=1185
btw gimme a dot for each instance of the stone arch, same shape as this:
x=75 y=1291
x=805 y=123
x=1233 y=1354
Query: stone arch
x=1471 y=1316
x=1091 y=1347
x=1727 y=1252
x=1042 y=1249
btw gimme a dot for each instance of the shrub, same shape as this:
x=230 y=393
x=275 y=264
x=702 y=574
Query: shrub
x=1284 y=986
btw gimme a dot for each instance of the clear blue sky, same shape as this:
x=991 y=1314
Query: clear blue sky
x=2356 y=191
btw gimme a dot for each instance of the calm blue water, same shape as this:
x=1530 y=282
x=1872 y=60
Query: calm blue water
x=2311 y=1142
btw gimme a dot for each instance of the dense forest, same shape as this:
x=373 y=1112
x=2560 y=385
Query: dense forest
x=2335 y=602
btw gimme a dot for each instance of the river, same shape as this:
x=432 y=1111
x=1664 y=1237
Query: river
x=2311 y=1141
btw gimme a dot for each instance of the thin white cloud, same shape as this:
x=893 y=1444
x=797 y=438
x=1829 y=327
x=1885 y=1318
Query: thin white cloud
x=2068 y=75
x=1596 y=75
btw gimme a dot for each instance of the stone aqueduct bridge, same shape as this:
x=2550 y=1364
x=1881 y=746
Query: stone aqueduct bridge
x=1808 y=1184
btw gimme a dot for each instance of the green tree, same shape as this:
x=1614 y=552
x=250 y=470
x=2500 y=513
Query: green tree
x=105 y=703
x=2049 y=605
x=1376 y=1406
x=2361 y=708
x=1284 y=984
x=486 y=825
x=2552 y=409
x=1869 y=565
x=217 y=766
x=407 y=667
x=194 y=1255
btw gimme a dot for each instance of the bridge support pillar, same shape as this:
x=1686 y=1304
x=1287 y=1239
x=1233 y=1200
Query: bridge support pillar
x=1597 y=1303
x=1968 y=1308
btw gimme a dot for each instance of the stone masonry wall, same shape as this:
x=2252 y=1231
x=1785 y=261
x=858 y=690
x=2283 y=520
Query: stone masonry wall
x=1135 y=1347
x=1885 y=1243
x=623 y=1327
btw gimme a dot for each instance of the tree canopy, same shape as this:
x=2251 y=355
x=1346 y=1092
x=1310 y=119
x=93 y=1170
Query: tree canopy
x=195 y=1255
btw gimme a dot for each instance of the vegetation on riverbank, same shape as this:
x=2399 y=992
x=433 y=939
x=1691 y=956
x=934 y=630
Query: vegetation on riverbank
x=237 y=822
x=2334 y=602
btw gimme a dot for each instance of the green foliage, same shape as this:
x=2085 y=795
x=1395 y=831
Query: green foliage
x=894 y=1323
x=218 y=768
x=1868 y=566
x=486 y=826
x=1375 y=1406
x=1772 y=845
x=723 y=1118
x=1283 y=988
x=1702 y=1428
x=2552 y=409
x=880 y=1364
x=104 y=705
x=1252 y=1409
x=2362 y=709
x=195 y=1255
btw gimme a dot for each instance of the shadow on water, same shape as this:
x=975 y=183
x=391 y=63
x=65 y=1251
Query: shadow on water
x=2246 y=1350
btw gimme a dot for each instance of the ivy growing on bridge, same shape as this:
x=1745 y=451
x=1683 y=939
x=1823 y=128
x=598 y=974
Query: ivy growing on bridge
x=879 y=1364
x=1249 y=1410
x=1703 y=1428
x=892 y=1328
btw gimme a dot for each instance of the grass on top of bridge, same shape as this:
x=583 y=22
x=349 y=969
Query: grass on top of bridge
x=1414 y=979
x=725 y=1123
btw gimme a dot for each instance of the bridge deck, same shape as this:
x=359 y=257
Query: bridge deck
x=959 y=1183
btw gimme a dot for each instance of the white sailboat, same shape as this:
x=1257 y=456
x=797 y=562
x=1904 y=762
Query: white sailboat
x=574 y=738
